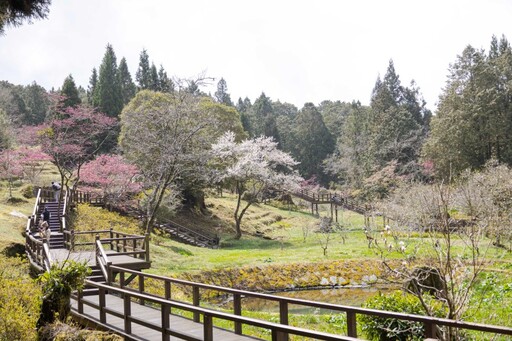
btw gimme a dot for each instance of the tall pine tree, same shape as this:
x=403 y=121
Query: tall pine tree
x=108 y=92
x=165 y=83
x=154 y=81
x=313 y=143
x=128 y=88
x=222 y=95
x=473 y=123
x=92 y=96
x=70 y=93
x=143 y=74
x=262 y=118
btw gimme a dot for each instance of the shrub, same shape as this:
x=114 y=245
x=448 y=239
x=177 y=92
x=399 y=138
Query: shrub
x=57 y=286
x=27 y=191
x=19 y=301
x=383 y=329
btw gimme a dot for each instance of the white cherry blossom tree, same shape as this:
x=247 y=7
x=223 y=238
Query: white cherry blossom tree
x=253 y=167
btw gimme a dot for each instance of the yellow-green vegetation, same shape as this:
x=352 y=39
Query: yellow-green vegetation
x=20 y=299
x=13 y=215
x=90 y=218
x=273 y=277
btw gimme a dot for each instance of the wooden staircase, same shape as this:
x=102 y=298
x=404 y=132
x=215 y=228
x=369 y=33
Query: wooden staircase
x=57 y=237
x=96 y=276
x=186 y=235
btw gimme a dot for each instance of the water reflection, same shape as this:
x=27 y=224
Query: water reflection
x=344 y=296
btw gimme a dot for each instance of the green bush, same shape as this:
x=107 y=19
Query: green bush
x=19 y=301
x=27 y=191
x=384 y=329
x=57 y=286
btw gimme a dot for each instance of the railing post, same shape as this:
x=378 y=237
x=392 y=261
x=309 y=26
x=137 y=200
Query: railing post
x=127 y=314
x=208 y=327
x=79 y=302
x=283 y=319
x=112 y=237
x=195 y=301
x=167 y=290
x=165 y=322
x=135 y=247
x=96 y=239
x=72 y=241
x=237 y=310
x=351 y=324
x=141 y=287
x=103 y=314
x=430 y=330
x=121 y=279
x=146 y=246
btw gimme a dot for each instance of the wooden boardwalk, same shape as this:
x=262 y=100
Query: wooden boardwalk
x=148 y=315
x=60 y=255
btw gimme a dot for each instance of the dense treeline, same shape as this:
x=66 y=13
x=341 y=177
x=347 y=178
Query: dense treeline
x=365 y=148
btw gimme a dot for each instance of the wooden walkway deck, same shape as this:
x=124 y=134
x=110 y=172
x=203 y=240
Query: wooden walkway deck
x=60 y=255
x=148 y=315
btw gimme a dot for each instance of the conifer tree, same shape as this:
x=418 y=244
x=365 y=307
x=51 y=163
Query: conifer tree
x=14 y=13
x=109 y=95
x=165 y=83
x=474 y=120
x=313 y=144
x=262 y=118
x=92 y=95
x=70 y=93
x=143 y=75
x=37 y=103
x=243 y=107
x=128 y=88
x=222 y=95
x=154 y=81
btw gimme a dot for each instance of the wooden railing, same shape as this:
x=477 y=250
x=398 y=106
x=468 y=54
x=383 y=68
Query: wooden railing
x=123 y=243
x=314 y=196
x=35 y=248
x=39 y=253
x=210 y=240
x=333 y=198
x=102 y=261
x=47 y=257
x=431 y=323
x=278 y=331
x=86 y=197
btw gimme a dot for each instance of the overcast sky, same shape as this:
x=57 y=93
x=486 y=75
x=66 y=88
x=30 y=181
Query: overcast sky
x=295 y=51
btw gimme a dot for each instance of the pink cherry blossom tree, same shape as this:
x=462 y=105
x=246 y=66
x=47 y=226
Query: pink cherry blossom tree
x=32 y=162
x=73 y=137
x=112 y=177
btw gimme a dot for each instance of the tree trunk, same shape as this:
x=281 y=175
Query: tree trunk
x=238 y=229
x=194 y=200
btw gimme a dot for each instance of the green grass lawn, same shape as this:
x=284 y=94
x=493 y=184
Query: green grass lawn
x=289 y=236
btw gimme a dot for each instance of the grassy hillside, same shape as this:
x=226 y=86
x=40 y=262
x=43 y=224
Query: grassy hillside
x=271 y=235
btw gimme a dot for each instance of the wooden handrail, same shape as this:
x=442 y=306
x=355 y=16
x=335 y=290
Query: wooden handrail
x=47 y=257
x=277 y=330
x=103 y=262
x=350 y=311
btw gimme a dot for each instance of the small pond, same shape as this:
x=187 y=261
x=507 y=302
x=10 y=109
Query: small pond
x=344 y=296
